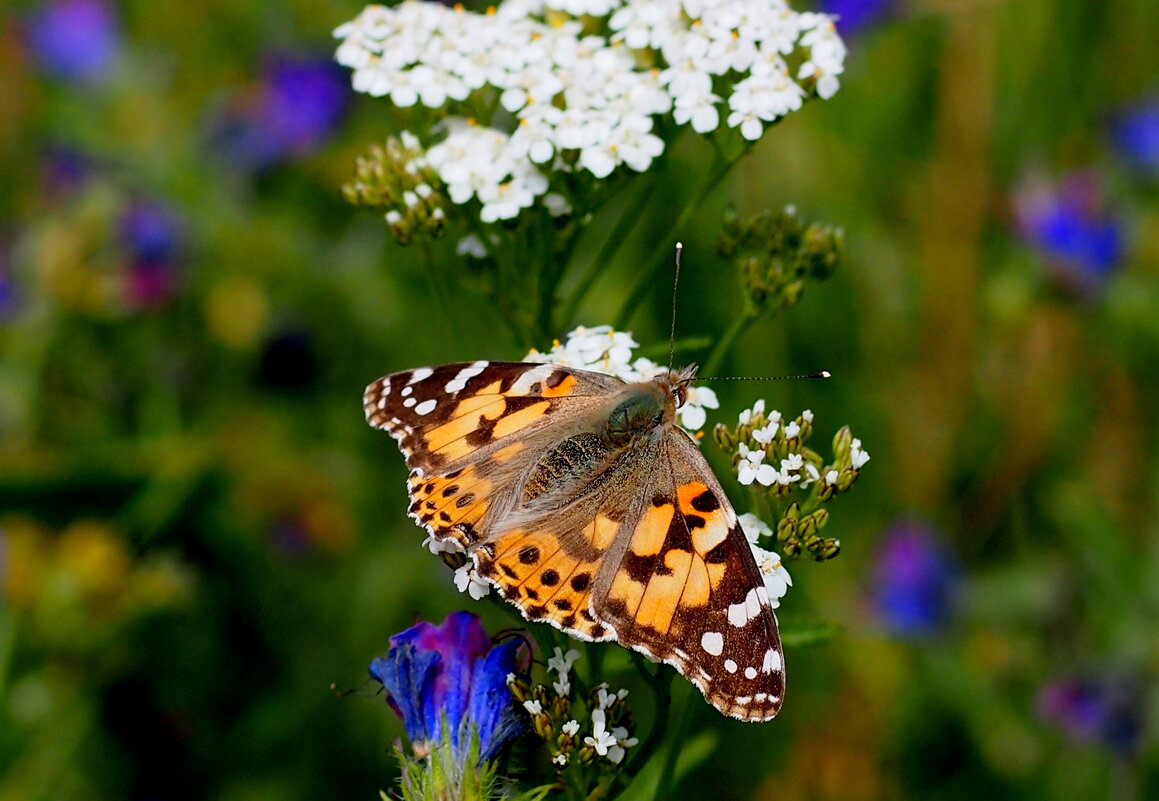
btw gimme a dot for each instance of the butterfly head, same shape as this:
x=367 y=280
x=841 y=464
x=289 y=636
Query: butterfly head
x=677 y=383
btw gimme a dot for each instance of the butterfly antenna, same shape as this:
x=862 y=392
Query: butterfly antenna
x=820 y=374
x=672 y=329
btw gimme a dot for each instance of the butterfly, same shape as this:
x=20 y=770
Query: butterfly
x=583 y=502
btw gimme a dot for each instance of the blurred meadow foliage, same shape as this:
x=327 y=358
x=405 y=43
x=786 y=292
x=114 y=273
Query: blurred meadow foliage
x=199 y=535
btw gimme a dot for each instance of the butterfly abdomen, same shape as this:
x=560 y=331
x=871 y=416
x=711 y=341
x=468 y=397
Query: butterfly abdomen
x=576 y=456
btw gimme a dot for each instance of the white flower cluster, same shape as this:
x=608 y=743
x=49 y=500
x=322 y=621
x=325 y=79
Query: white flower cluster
x=579 y=100
x=604 y=350
x=793 y=469
x=468 y=580
x=611 y=743
x=777 y=578
x=561 y=663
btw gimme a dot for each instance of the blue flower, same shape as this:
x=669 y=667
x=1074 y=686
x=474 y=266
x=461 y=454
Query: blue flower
x=914 y=578
x=8 y=301
x=77 y=40
x=297 y=104
x=64 y=171
x=153 y=237
x=1070 y=224
x=854 y=16
x=451 y=675
x=1136 y=135
x=1101 y=710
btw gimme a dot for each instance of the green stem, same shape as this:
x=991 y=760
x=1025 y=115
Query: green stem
x=723 y=345
x=604 y=259
x=675 y=745
x=662 y=256
x=661 y=684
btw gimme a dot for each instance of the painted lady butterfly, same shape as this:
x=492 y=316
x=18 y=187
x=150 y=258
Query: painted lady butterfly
x=580 y=498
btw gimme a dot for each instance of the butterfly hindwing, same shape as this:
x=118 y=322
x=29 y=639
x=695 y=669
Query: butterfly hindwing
x=687 y=590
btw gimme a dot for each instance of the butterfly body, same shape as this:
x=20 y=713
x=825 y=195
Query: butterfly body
x=585 y=504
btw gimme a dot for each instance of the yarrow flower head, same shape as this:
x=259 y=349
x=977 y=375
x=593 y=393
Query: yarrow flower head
x=583 y=90
x=772 y=458
x=602 y=740
x=777 y=578
x=449 y=685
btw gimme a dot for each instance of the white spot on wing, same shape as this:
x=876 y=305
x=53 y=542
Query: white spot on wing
x=752 y=603
x=750 y=673
x=730 y=666
x=426 y=407
x=407 y=391
x=420 y=374
x=713 y=642
x=772 y=661
x=737 y=616
x=459 y=382
x=533 y=376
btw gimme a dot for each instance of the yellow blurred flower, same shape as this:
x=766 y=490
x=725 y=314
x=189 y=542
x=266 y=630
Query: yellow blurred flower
x=92 y=554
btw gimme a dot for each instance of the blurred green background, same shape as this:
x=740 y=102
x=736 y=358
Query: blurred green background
x=199 y=534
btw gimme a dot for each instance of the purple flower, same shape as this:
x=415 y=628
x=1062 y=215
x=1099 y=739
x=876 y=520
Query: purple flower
x=77 y=40
x=63 y=171
x=1095 y=710
x=1136 y=135
x=7 y=289
x=913 y=579
x=855 y=16
x=1070 y=224
x=451 y=675
x=153 y=238
x=294 y=109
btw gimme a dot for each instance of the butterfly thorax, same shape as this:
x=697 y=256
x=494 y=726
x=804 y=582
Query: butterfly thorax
x=633 y=420
x=639 y=411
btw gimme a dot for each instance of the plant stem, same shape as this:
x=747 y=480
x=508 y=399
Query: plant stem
x=723 y=345
x=662 y=255
x=661 y=684
x=675 y=745
x=604 y=259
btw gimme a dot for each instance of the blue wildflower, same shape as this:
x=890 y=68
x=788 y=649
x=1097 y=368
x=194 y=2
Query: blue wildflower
x=1100 y=710
x=1071 y=226
x=153 y=238
x=64 y=171
x=1136 y=135
x=451 y=675
x=7 y=288
x=854 y=16
x=914 y=579
x=297 y=104
x=77 y=40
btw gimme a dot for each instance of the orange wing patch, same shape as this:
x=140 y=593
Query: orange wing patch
x=451 y=505
x=449 y=439
x=535 y=572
